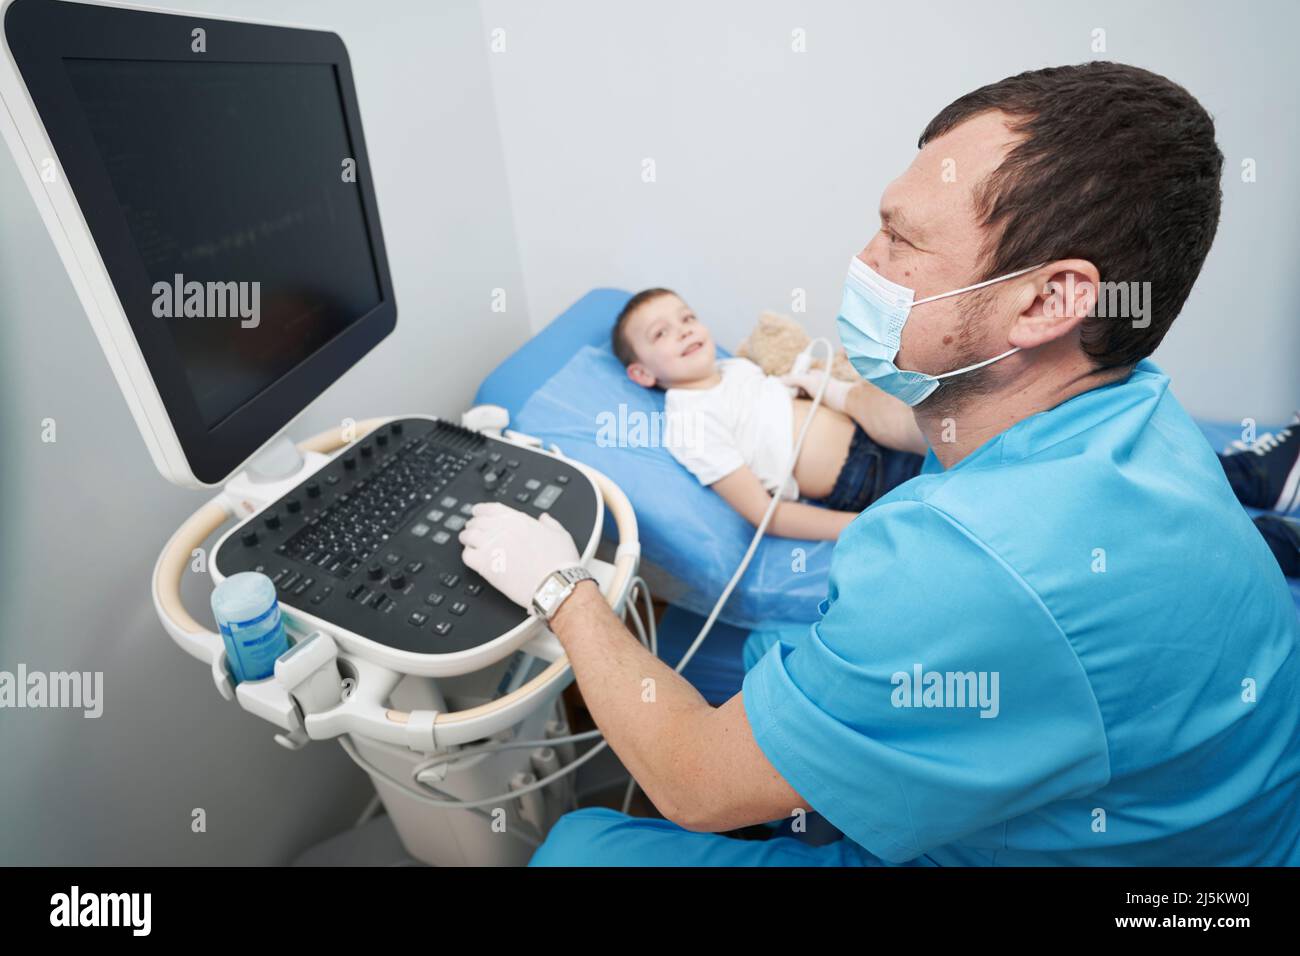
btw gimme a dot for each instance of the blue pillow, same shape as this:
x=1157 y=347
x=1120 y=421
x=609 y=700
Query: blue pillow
x=595 y=414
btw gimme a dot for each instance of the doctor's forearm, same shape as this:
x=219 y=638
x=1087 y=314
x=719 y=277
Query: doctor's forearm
x=645 y=709
x=887 y=420
x=794 y=519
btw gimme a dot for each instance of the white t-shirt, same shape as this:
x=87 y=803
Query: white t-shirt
x=746 y=419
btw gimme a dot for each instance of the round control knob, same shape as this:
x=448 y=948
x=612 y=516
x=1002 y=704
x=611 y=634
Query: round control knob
x=249 y=538
x=375 y=571
x=367 y=449
x=272 y=521
x=313 y=490
x=293 y=506
x=349 y=461
x=381 y=440
x=398 y=580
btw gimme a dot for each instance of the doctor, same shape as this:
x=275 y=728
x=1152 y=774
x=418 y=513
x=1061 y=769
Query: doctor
x=1062 y=643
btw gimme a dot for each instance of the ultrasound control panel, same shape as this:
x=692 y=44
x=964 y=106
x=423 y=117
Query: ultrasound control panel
x=369 y=543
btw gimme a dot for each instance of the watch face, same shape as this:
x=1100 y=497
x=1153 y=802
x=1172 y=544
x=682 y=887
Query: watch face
x=550 y=593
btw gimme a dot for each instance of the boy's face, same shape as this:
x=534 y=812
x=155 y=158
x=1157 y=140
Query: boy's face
x=671 y=345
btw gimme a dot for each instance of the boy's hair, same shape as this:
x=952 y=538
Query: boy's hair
x=622 y=347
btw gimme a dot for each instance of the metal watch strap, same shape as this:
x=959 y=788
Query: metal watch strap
x=575 y=574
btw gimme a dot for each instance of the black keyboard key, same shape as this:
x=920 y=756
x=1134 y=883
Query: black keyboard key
x=449 y=578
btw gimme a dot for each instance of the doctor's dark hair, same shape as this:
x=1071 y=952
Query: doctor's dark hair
x=618 y=340
x=1118 y=166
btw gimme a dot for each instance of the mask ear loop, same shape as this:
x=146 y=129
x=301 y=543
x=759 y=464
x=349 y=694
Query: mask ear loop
x=978 y=285
x=970 y=289
x=971 y=368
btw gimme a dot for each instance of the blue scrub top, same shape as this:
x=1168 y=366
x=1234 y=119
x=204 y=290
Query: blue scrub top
x=1072 y=647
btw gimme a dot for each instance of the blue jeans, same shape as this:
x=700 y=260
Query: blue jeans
x=870 y=471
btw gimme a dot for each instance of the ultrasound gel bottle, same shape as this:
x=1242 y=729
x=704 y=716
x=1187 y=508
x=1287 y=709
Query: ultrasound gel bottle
x=249 y=617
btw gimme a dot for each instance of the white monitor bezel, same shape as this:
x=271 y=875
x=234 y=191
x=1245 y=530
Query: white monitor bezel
x=30 y=144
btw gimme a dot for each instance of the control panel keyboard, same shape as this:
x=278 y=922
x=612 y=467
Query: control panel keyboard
x=370 y=541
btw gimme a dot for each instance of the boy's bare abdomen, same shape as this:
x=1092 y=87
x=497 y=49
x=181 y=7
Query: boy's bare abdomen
x=824 y=450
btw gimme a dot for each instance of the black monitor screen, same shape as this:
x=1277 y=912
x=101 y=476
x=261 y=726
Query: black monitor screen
x=235 y=185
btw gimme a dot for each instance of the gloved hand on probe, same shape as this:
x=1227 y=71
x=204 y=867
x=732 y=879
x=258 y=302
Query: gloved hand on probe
x=514 y=552
x=837 y=390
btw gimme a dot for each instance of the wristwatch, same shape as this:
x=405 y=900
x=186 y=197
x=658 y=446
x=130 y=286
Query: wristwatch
x=557 y=586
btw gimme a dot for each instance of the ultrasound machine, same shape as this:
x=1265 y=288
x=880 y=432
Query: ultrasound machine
x=187 y=165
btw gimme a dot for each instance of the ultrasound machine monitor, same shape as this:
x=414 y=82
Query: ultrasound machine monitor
x=207 y=185
x=212 y=180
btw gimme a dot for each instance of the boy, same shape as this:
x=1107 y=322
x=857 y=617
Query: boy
x=740 y=425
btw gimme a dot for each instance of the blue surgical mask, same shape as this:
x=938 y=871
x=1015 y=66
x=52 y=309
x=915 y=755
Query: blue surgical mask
x=870 y=323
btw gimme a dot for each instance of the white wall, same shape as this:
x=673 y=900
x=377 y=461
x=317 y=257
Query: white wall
x=82 y=519
x=770 y=163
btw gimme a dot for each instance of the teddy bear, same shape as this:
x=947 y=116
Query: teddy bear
x=777 y=339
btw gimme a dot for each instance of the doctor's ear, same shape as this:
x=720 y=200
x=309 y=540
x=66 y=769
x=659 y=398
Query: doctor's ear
x=1065 y=296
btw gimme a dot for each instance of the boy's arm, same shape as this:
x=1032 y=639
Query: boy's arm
x=792 y=519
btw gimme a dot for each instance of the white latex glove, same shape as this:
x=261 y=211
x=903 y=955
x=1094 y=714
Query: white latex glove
x=514 y=552
x=837 y=390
